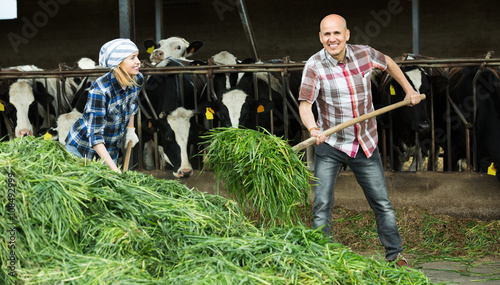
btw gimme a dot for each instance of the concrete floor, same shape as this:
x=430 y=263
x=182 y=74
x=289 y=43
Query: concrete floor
x=481 y=272
x=461 y=195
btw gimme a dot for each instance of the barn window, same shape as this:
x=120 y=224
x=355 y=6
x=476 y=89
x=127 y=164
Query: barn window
x=9 y=10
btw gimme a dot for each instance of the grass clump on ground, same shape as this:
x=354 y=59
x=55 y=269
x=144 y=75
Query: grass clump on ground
x=426 y=235
x=66 y=220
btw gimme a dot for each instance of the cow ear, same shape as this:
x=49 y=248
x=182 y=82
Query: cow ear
x=150 y=45
x=206 y=109
x=193 y=47
x=149 y=126
x=263 y=106
x=246 y=82
x=248 y=60
x=197 y=62
x=43 y=98
x=4 y=96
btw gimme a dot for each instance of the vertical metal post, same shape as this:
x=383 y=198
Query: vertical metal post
x=415 y=26
x=126 y=17
x=159 y=19
x=448 y=122
x=433 y=138
x=284 y=84
x=247 y=26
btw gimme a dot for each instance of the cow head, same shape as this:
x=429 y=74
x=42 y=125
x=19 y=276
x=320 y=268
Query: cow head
x=416 y=117
x=236 y=109
x=228 y=80
x=224 y=81
x=177 y=131
x=21 y=107
x=172 y=47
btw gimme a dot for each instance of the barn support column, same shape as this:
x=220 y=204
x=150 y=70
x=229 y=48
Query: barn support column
x=127 y=19
x=415 y=26
x=159 y=19
x=247 y=26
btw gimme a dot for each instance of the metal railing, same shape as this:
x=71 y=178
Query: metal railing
x=290 y=103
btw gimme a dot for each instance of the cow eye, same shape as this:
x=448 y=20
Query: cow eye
x=169 y=137
x=178 y=47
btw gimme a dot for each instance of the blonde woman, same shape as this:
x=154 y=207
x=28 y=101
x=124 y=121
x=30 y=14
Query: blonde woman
x=108 y=118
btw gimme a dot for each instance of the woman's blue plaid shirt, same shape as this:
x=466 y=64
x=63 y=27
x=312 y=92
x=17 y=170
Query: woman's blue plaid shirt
x=105 y=117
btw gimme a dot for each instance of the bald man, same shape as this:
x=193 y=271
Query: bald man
x=337 y=79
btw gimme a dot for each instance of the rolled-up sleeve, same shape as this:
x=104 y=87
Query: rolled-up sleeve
x=377 y=58
x=309 y=88
x=96 y=112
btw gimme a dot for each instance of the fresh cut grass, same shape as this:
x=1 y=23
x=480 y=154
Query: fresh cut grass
x=70 y=221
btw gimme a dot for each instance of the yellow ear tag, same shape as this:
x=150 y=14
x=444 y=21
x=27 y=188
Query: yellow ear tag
x=260 y=109
x=151 y=49
x=2 y=107
x=392 y=90
x=492 y=170
x=209 y=114
x=47 y=136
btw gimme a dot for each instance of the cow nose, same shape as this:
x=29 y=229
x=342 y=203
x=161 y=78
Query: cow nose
x=158 y=53
x=424 y=127
x=184 y=173
x=23 y=133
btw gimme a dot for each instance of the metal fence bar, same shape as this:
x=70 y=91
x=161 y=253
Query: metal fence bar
x=283 y=69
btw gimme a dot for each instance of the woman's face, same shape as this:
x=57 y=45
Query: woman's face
x=131 y=64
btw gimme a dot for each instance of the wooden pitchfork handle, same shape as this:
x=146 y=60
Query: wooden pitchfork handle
x=312 y=140
x=127 y=156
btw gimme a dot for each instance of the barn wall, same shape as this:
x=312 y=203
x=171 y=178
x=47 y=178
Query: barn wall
x=48 y=32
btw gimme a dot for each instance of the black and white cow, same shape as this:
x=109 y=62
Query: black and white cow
x=249 y=106
x=410 y=125
x=226 y=81
x=29 y=118
x=24 y=108
x=65 y=121
x=174 y=101
x=173 y=47
x=178 y=130
x=237 y=106
x=483 y=112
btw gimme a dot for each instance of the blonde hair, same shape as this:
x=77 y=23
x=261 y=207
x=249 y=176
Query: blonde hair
x=123 y=77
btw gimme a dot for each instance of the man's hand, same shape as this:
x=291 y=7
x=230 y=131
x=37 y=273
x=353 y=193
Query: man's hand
x=414 y=97
x=320 y=137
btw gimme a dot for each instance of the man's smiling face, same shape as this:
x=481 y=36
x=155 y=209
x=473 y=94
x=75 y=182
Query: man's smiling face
x=334 y=36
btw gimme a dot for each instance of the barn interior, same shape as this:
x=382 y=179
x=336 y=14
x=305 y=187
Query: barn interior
x=53 y=33
x=48 y=33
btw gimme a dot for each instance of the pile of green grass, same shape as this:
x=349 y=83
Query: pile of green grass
x=69 y=221
x=261 y=172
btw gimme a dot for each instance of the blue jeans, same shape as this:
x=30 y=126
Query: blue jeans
x=370 y=175
x=74 y=151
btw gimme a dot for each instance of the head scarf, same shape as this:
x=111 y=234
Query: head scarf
x=114 y=52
